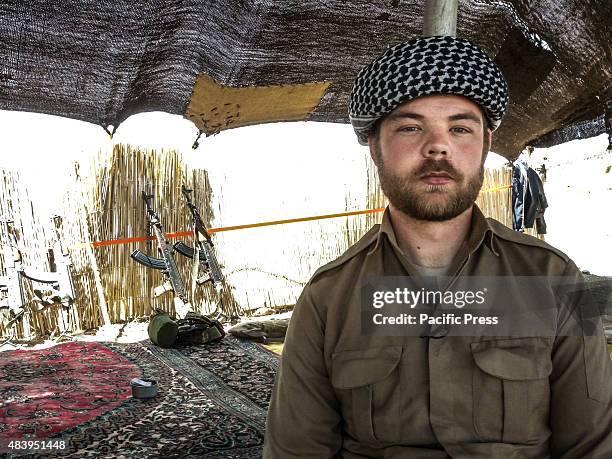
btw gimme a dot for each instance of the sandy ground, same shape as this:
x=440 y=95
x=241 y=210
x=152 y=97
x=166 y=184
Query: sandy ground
x=119 y=333
x=130 y=332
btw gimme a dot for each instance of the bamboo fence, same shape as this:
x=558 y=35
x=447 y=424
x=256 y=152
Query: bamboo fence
x=103 y=204
x=115 y=210
x=266 y=266
x=34 y=237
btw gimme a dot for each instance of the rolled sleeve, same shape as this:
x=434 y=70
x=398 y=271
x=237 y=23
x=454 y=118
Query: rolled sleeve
x=303 y=418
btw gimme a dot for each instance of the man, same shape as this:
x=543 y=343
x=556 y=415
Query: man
x=426 y=109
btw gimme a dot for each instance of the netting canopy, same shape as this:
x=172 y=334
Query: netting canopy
x=229 y=63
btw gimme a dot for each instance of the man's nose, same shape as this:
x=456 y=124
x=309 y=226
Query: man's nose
x=436 y=143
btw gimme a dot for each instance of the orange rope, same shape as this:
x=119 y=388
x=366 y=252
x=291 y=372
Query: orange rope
x=260 y=224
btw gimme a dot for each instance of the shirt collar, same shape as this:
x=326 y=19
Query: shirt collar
x=480 y=232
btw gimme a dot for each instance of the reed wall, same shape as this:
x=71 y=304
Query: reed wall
x=266 y=266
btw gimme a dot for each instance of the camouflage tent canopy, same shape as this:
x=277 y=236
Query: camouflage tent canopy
x=229 y=63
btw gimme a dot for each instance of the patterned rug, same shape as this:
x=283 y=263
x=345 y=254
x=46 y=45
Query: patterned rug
x=212 y=402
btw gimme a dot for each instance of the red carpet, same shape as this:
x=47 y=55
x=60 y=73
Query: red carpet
x=212 y=400
x=48 y=391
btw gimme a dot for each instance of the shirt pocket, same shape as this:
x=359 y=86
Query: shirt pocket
x=511 y=390
x=367 y=382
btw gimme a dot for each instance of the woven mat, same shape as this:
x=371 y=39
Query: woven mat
x=212 y=402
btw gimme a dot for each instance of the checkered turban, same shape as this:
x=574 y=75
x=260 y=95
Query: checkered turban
x=431 y=65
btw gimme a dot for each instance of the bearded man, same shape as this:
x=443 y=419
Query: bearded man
x=427 y=109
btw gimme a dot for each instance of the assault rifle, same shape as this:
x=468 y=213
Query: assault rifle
x=166 y=264
x=203 y=250
x=59 y=277
x=207 y=330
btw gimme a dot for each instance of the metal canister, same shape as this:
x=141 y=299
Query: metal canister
x=144 y=388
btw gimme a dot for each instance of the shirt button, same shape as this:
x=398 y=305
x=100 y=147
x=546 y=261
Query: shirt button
x=439 y=331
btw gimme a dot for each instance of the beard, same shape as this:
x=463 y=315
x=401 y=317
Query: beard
x=430 y=202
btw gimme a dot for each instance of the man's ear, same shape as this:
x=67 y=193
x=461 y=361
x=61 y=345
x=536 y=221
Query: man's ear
x=374 y=150
x=488 y=140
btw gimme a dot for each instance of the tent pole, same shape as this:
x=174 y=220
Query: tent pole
x=440 y=18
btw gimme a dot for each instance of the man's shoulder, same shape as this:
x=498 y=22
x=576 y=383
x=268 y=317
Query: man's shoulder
x=522 y=240
x=360 y=248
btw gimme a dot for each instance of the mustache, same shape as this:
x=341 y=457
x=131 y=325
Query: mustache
x=436 y=166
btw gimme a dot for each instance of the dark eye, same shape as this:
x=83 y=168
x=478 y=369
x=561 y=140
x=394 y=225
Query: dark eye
x=409 y=128
x=461 y=130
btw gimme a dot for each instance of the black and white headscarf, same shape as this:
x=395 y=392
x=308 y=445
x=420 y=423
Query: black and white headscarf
x=425 y=66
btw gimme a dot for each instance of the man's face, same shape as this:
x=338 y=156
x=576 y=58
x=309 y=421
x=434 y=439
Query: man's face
x=430 y=155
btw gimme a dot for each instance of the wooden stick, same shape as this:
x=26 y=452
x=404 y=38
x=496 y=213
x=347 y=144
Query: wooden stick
x=440 y=18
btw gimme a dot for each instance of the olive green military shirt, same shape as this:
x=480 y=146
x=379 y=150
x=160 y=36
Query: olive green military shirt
x=339 y=393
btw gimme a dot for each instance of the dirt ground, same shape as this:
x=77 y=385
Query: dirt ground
x=130 y=332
